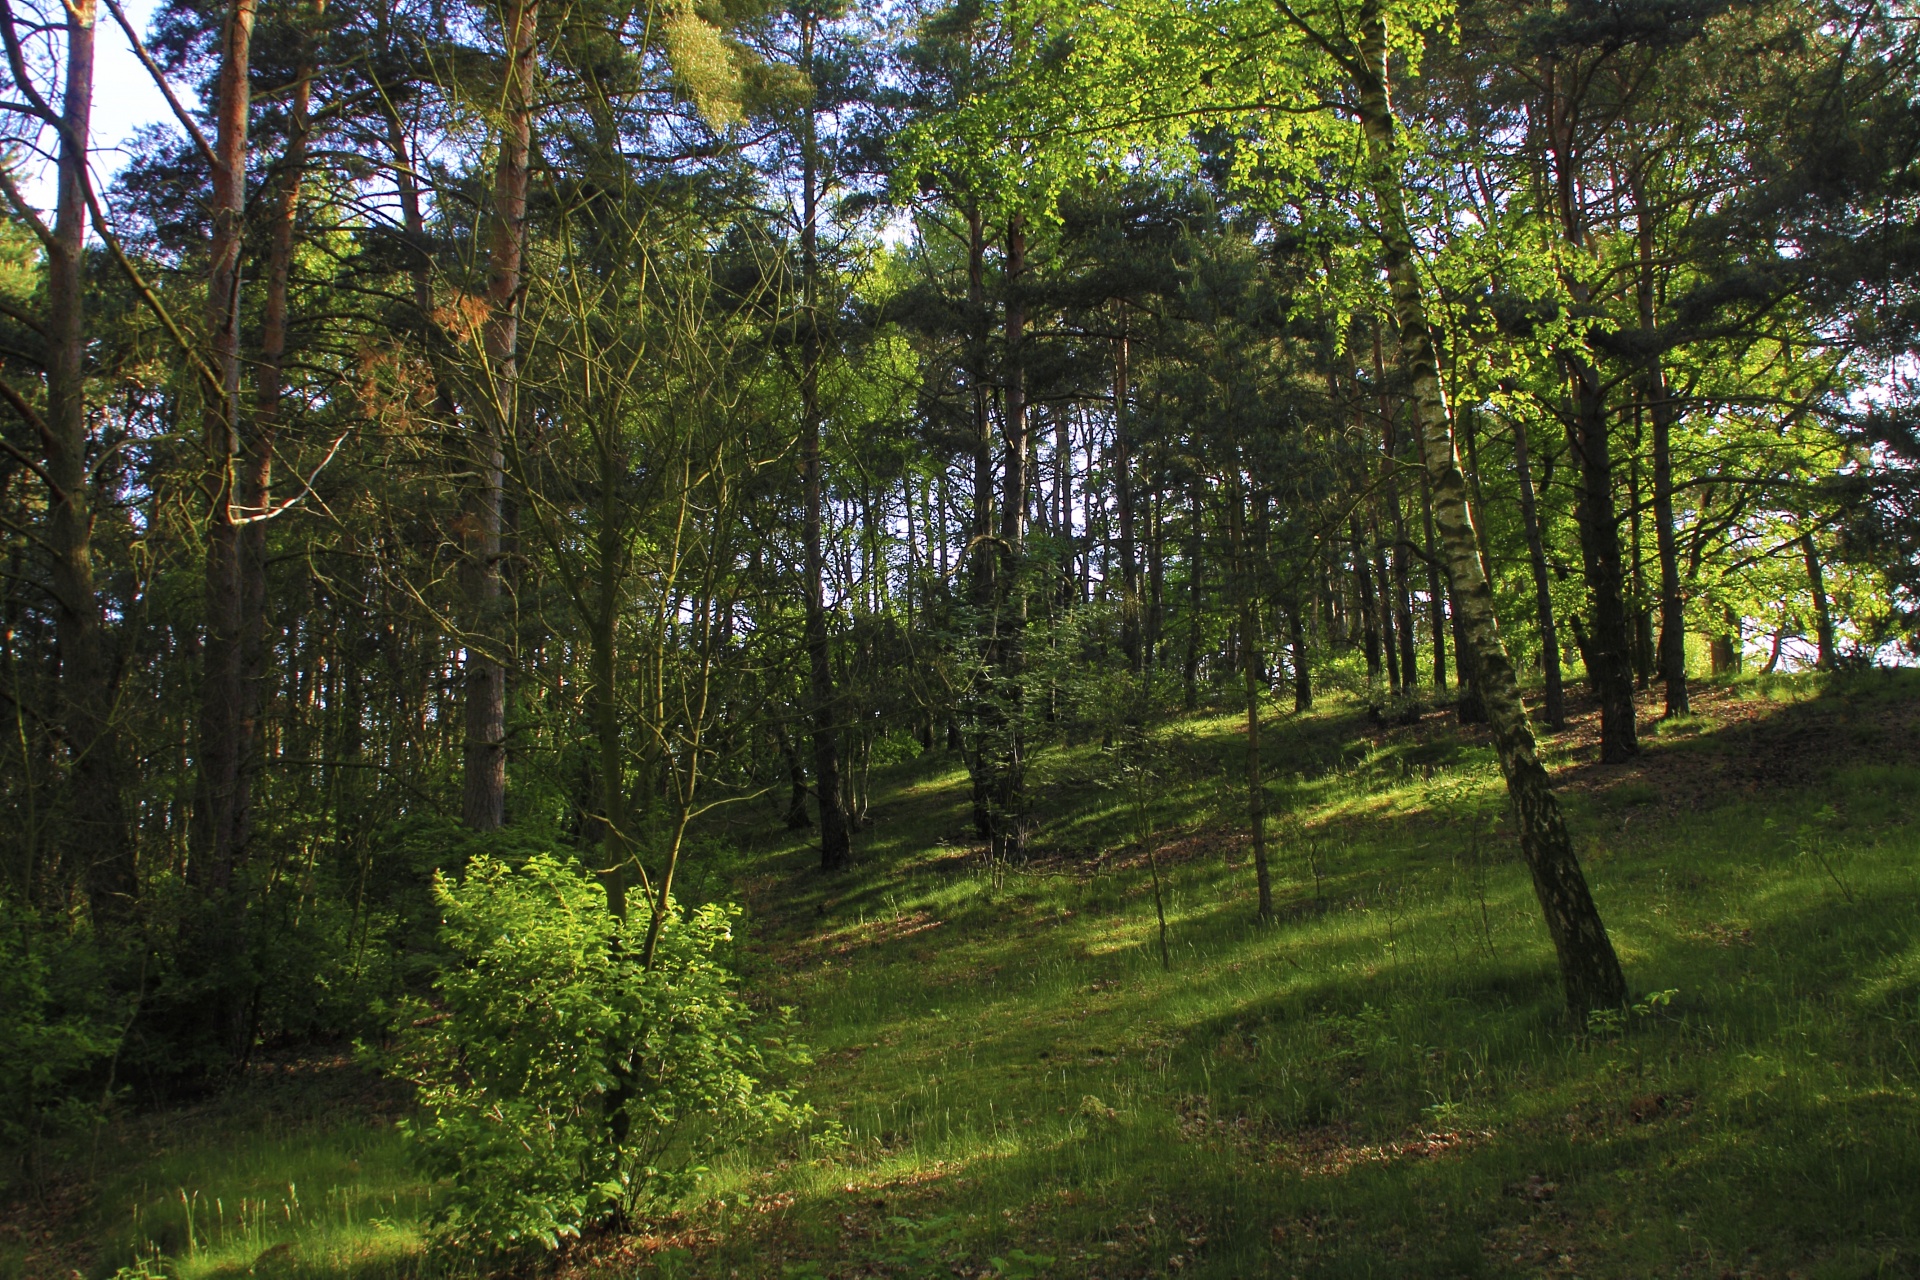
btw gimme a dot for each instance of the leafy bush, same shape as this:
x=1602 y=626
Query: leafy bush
x=59 y=1023
x=560 y=1081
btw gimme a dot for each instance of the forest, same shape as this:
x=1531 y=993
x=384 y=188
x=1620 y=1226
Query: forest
x=996 y=638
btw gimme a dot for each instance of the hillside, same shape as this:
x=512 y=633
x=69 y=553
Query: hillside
x=1011 y=1081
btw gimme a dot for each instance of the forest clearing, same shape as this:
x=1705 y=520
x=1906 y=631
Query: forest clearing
x=1010 y=1082
x=988 y=638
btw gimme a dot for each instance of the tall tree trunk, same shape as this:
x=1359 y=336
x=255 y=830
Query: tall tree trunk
x=1156 y=612
x=1609 y=639
x=1659 y=399
x=97 y=809
x=1589 y=970
x=1390 y=477
x=413 y=224
x=485 y=793
x=1196 y=598
x=1641 y=614
x=1123 y=495
x=1728 y=645
x=1063 y=487
x=1436 y=591
x=1383 y=600
x=1251 y=663
x=1369 y=625
x=1609 y=656
x=1556 y=700
x=225 y=808
x=257 y=444
x=1822 y=609
x=984 y=561
x=836 y=846
x=1010 y=612
x=608 y=723
x=1302 y=677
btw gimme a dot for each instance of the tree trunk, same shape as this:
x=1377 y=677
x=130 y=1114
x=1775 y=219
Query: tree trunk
x=1010 y=612
x=257 y=445
x=1822 y=610
x=1673 y=617
x=797 y=818
x=97 y=807
x=1251 y=662
x=836 y=845
x=1063 y=488
x=984 y=562
x=1609 y=639
x=1659 y=401
x=1642 y=616
x=1123 y=495
x=225 y=817
x=484 y=799
x=1196 y=598
x=1609 y=657
x=1302 y=677
x=1383 y=602
x=1155 y=622
x=1369 y=626
x=1401 y=591
x=1556 y=699
x=1589 y=970
x=1436 y=591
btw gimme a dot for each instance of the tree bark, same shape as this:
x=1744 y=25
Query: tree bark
x=485 y=685
x=1556 y=700
x=1822 y=609
x=1154 y=623
x=257 y=443
x=86 y=688
x=1727 y=646
x=1123 y=495
x=984 y=561
x=1609 y=657
x=224 y=816
x=1383 y=601
x=836 y=845
x=1302 y=677
x=1369 y=626
x=1402 y=592
x=1589 y=970
x=1436 y=590
x=1009 y=838
x=1251 y=663
x=1196 y=597
x=1659 y=400
x=1609 y=639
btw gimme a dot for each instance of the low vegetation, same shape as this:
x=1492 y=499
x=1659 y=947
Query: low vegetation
x=1009 y=1079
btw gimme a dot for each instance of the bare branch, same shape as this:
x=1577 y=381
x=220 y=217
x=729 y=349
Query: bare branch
x=27 y=213
x=160 y=80
x=146 y=293
x=306 y=488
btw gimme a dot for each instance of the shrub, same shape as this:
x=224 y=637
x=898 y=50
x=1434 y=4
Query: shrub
x=59 y=1022
x=560 y=1082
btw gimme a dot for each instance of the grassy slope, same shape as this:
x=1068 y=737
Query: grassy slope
x=1377 y=1084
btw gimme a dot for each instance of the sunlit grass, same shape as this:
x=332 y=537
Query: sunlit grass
x=291 y=1182
x=1380 y=1081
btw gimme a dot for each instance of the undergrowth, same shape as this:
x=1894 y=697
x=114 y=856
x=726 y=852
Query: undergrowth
x=1011 y=1081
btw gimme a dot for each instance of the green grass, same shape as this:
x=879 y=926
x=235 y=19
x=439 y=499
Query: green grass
x=1379 y=1083
x=291 y=1177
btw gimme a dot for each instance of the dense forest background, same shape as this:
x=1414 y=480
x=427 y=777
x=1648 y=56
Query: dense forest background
x=473 y=438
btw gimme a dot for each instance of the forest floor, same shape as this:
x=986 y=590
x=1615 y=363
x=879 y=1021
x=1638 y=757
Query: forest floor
x=1012 y=1081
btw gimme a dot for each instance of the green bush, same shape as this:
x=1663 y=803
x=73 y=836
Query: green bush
x=560 y=1082
x=59 y=1022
